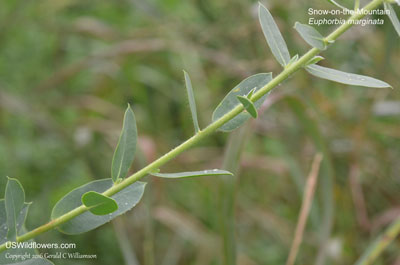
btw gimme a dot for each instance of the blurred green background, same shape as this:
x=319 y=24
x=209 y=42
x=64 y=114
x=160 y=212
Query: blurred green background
x=68 y=69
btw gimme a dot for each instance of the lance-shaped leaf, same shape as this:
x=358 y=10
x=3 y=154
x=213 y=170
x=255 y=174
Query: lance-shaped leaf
x=315 y=60
x=345 y=78
x=250 y=94
x=273 y=36
x=392 y=16
x=337 y=4
x=230 y=101
x=14 y=203
x=192 y=102
x=126 y=147
x=211 y=172
x=126 y=200
x=310 y=35
x=98 y=203
x=293 y=60
x=248 y=106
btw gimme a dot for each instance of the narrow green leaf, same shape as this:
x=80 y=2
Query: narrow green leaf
x=126 y=200
x=192 y=102
x=250 y=94
x=248 y=106
x=310 y=35
x=14 y=204
x=273 y=36
x=293 y=60
x=315 y=60
x=230 y=101
x=211 y=172
x=392 y=16
x=345 y=78
x=126 y=147
x=337 y=4
x=98 y=203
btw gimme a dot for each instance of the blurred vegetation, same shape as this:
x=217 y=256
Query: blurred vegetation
x=68 y=69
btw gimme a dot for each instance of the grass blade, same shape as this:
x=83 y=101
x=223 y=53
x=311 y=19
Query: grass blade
x=192 y=102
x=326 y=185
x=310 y=35
x=126 y=147
x=380 y=244
x=273 y=36
x=227 y=191
x=345 y=78
x=189 y=174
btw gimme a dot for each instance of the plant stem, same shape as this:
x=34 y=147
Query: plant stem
x=205 y=132
x=356 y=5
x=380 y=244
x=308 y=197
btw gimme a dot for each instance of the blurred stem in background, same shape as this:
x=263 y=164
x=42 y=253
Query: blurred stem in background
x=148 y=243
x=327 y=176
x=124 y=243
x=308 y=196
x=121 y=223
x=227 y=188
x=380 y=244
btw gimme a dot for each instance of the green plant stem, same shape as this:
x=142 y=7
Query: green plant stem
x=356 y=4
x=380 y=244
x=204 y=133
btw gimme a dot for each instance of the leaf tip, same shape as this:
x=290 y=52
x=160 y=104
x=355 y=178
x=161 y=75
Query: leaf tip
x=229 y=173
x=261 y=7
